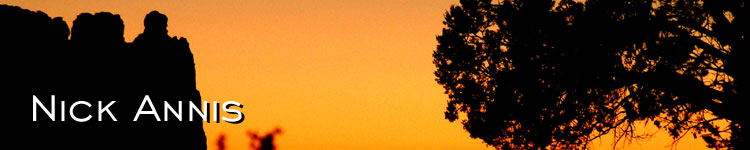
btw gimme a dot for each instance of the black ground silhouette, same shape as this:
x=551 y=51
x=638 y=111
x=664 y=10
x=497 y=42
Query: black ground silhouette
x=558 y=74
x=96 y=64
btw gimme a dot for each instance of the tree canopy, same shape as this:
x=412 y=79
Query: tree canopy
x=558 y=74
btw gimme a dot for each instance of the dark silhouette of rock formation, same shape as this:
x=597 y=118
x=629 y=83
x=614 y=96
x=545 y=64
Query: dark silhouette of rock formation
x=96 y=64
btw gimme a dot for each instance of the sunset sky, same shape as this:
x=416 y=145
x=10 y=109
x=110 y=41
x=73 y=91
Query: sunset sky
x=333 y=74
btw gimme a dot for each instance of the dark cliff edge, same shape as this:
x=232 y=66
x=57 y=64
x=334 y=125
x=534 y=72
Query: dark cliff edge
x=92 y=62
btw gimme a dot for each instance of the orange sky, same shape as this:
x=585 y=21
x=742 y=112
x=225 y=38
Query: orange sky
x=334 y=74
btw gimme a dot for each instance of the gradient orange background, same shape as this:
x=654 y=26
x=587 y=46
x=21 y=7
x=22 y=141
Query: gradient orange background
x=334 y=74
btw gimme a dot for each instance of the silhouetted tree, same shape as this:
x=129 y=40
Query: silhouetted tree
x=559 y=74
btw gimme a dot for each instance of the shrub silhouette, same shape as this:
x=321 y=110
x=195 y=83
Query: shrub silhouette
x=257 y=141
x=263 y=142
x=221 y=142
